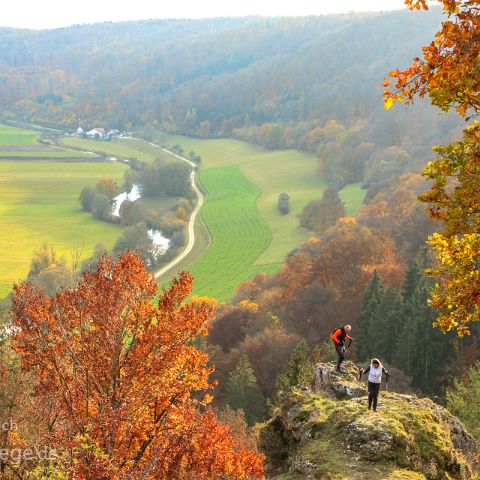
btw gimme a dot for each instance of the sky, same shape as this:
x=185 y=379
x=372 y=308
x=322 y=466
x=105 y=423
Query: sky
x=61 y=13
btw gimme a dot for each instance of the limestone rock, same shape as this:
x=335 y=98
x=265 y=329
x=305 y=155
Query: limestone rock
x=342 y=384
x=327 y=432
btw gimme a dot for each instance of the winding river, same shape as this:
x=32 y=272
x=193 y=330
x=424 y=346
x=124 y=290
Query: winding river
x=161 y=243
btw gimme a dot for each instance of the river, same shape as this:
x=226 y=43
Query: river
x=160 y=242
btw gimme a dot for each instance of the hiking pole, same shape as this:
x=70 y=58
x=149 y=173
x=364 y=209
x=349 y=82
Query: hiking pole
x=346 y=348
x=386 y=382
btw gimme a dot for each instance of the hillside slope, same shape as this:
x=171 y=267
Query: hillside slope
x=328 y=433
x=221 y=77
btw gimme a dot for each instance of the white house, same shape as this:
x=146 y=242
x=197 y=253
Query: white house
x=96 y=133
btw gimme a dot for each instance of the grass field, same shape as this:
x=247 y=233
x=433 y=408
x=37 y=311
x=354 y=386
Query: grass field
x=238 y=232
x=16 y=136
x=271 y=172
x=46 y=154
x=39 y=203
x=352 y=196
x=16 y=142
x=121 y=148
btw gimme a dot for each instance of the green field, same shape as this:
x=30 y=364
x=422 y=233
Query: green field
x=242 y=181
x=46 y=154
x=121 y=148
x=238 y=233
x=16 y=142
x=16 y=136
x=39 y=200
x=39 y=203
x=352 y=196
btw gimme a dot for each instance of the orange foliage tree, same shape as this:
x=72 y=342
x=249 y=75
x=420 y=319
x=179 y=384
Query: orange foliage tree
x=127 y=382
x=448 y=73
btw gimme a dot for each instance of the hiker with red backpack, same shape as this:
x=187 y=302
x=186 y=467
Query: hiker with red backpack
x=339 y=337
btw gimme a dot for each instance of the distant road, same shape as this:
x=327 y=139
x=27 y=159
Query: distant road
x=193 y=216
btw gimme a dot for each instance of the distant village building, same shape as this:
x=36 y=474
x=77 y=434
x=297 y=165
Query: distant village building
x=96 y=133
x=113 y=133
x=100 y=133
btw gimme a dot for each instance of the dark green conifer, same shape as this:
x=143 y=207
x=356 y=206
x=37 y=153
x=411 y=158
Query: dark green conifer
x=371 y=300
x=244 y=393
x=298 y=370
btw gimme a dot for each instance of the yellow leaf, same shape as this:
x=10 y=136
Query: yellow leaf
x=388 y=103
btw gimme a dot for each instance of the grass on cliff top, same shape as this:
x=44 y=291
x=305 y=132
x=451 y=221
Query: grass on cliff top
x=416 y=425
x=362 y=474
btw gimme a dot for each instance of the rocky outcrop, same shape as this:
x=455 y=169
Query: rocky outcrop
x=342 y=384
x=328 y=433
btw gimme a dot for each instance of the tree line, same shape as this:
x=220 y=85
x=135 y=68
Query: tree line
x=159 y=180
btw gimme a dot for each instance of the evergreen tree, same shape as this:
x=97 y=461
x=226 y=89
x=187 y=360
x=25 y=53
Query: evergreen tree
x=299 y=368
x=463 y=400
x=421 y=350
x=384 y=325
x=371 y=300
x=244 y=393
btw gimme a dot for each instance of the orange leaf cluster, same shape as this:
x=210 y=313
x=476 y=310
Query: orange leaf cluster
x=448 y=71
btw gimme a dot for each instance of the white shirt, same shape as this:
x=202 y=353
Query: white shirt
x=375 y=374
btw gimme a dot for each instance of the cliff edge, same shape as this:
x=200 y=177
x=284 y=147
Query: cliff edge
x=326 y=432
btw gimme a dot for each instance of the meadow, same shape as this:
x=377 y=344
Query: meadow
x=246 y=232
x=272 y=172
x=238 y=232
x=122 y=148
x=17 y=142
x=16 y=136
x=39 y=203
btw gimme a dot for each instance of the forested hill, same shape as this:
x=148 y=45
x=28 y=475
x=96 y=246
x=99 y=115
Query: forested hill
x=274 y=81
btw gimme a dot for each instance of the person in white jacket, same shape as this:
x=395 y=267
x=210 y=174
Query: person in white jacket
x=374 y=370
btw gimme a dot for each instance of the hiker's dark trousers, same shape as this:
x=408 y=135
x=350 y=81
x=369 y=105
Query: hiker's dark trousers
x=341 y=353
x=373 y=391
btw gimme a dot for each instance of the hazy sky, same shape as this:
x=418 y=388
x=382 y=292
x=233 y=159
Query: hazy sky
x=59 y=13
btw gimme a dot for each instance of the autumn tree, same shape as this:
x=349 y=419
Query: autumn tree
x=243 y=434
x=448 y=74
x=124 y=385
x=318 y=215
x=49 y=272
x=107 y=187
